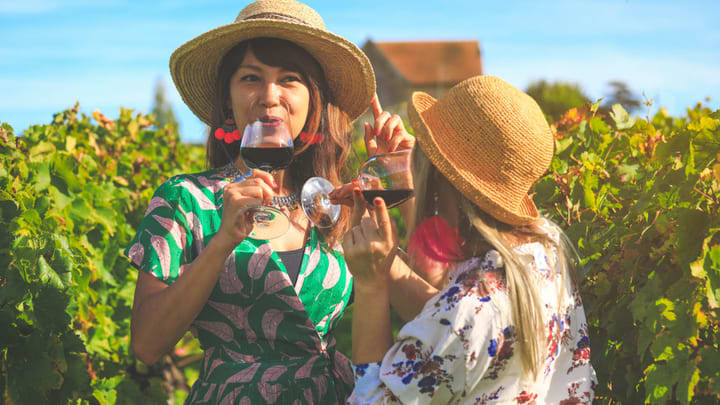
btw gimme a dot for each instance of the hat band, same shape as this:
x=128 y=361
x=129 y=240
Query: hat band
x=276 y=16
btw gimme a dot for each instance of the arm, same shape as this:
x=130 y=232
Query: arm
x=410 y=291
x=369 y=250
x=162 y=313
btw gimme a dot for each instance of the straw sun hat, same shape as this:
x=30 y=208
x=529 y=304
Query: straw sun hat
x=490 y=140
x=194 y=65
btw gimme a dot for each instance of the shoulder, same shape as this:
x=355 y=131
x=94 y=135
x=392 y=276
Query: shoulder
x=199 y=189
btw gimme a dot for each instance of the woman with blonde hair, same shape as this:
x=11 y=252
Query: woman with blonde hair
x=506 y=324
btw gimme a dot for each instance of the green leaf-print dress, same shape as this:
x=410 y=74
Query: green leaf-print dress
x=264 y=340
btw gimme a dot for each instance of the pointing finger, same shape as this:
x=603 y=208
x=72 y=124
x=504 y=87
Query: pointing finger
x=376 y=107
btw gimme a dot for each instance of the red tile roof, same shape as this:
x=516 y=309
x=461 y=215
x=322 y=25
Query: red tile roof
x=425 y=63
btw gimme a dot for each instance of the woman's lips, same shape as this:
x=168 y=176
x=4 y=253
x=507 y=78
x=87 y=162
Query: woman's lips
x=271 y=121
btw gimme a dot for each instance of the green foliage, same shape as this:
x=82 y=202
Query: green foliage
x=642 y=200
x=557 y=97
x=71 y=195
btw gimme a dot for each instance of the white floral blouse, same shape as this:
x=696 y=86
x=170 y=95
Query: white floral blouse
x=461 y=349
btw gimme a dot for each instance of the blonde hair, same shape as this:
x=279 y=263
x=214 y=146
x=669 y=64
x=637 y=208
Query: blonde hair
x=482 y=233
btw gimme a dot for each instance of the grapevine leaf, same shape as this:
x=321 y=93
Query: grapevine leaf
x=14 y=289
x=8 y=206
x=42 y=172
x=627 y=172
x=48 y=275
x=690 y=376
x=712 y=269
x=622 y=119
x=49 y=305
x=692 y=228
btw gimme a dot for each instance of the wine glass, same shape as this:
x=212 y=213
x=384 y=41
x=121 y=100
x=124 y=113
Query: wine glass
x=267 y=145
x=387 y=176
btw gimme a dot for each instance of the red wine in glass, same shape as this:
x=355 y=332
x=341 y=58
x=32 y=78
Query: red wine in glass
x=267 y=158
x=392 y=198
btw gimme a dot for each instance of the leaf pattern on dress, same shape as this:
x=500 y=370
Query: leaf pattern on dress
x=321 y=384
x=312 y=263
x=270 y=392
x=214 y=185
x=247 y=328
x=196 y=229
x=259 y=260
x=174 y=229
x=229 y=280
x=219 y=329
x=214 y=365
x=270 y=321
x=245 y=374
x=239 y=357
x=293 y=301
x=209 y=394
x=273 y=373
x=306 y=369
x=162 y=249
x=201 y=199
x=136 y=253
x=275 y=281
x=332 y=276
x=155 y=203
x=232 y=312
x=230 y=398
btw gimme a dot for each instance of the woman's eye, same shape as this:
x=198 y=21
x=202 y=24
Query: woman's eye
x=249 y=78
x=292 y=78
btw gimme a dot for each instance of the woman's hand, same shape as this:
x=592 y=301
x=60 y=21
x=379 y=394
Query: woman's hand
x=388 y=133
x=236 y=224
x=371 y=243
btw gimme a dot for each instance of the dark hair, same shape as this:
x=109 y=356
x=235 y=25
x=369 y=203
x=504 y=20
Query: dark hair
x=325 y=159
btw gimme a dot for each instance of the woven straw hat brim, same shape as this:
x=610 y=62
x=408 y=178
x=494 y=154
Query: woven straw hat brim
x=429 y=132
x=348 y=71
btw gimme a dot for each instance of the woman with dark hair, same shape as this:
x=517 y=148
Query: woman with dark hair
x=263 y=310
x=502 y=321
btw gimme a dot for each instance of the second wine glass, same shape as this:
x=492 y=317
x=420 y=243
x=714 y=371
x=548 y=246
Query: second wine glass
x=387 y=176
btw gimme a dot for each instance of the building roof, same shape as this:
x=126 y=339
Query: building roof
x=423 y=63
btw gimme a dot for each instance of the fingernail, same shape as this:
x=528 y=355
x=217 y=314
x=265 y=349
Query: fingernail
x=377 y=201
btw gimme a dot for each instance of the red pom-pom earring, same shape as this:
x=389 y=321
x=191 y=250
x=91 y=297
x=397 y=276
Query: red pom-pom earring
x=228 y=132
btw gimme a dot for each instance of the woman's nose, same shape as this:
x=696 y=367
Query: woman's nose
x=270 y=95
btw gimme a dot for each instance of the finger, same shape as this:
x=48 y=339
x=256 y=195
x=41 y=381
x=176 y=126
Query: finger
x=258 y=188
x=393 y=125
x=380 y=122
x=382 y=218
x=370 y=141
x=376 y=107
x=358 y=207
x=265 y=176
x=342 y=195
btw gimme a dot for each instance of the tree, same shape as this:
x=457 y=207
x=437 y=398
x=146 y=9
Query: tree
x=619 y=93
x=557 y=97
x=162 y=109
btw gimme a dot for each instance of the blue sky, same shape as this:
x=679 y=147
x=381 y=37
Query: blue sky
x=107 y=54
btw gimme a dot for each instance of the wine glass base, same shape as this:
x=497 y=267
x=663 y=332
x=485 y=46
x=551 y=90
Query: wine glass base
x=315 y=202
x=268 y=223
